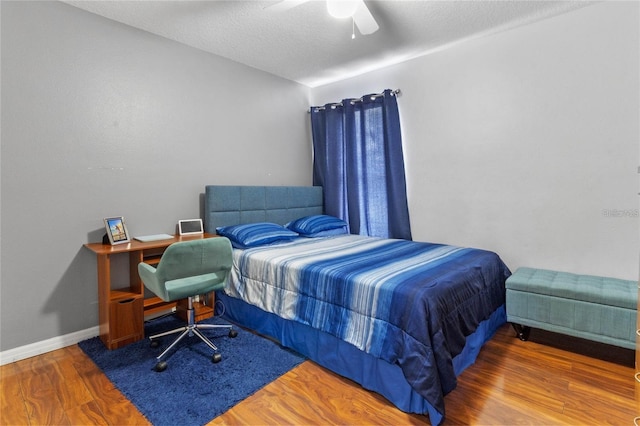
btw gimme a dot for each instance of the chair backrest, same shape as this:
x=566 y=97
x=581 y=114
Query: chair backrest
x=194 y=257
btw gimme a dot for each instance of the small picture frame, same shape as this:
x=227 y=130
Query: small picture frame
x=190 y=227
x=116 y=230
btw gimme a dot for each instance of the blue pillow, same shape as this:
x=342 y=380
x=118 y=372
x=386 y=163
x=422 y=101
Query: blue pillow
x=256 y=234
x=328 y=233
x=310 y=226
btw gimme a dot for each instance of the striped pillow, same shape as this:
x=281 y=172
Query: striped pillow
x=256 y=234
x=318 y=225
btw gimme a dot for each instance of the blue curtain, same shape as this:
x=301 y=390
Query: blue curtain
x=358 y=160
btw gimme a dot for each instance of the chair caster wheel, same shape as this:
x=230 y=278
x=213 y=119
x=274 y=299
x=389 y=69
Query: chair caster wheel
x=216 y=358
x=154 y=343
x=161 y=366
x=233 y=333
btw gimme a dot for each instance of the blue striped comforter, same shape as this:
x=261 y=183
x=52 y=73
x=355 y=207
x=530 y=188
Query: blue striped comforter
x=409 y=303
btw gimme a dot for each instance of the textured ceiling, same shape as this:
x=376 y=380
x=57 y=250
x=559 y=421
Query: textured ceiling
x=306 y=45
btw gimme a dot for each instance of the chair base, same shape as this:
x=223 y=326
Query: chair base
x=189 y=330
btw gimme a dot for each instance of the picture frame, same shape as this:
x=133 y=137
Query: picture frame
x=190 y=227
x=116 y=228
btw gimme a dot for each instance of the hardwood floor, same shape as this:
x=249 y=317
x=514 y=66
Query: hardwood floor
x=512 y=382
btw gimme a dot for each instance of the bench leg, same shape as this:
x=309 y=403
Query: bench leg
x=522 y=331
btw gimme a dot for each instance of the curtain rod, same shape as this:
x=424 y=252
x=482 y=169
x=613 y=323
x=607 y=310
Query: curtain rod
x=395 y=92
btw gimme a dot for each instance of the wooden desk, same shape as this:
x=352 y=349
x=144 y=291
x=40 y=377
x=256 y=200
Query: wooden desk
x=121 y=311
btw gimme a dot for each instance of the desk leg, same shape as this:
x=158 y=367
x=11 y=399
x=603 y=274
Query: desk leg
x=120 y=313
x=104 y=290
x=135 y=282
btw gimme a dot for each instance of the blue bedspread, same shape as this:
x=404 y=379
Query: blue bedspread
x=405 y=302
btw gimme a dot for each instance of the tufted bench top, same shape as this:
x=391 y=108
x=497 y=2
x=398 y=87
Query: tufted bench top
x=588 y=288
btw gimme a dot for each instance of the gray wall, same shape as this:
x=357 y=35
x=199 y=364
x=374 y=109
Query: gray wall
x=526 y=142
x=101 y=119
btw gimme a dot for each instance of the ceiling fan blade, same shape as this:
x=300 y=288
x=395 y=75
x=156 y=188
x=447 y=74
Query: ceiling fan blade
x=364 y=20
x=285 y=4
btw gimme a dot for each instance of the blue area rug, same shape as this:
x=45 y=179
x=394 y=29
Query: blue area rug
x=193 y=390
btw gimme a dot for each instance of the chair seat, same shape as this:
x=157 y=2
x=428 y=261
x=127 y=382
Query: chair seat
x=189 y=286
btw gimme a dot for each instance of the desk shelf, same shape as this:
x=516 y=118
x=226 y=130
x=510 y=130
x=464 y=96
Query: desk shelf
x=121 y=311
x=122 y=294
x=152 y=256
x=154 y=305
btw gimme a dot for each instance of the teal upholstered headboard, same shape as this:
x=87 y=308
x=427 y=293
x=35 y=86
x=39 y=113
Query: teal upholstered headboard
x=233 y=205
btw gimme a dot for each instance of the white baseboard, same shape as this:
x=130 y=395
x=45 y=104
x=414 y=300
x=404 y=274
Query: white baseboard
x=39 y=348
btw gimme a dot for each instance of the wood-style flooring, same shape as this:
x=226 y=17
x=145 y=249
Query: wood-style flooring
x=512 y=382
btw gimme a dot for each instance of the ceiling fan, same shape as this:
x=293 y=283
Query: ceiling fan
x=356 y=9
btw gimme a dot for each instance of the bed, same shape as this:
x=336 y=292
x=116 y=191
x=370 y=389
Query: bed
x=400 y=318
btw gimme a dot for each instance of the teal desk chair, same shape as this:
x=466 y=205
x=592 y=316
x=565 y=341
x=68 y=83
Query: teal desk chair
x=187 y=269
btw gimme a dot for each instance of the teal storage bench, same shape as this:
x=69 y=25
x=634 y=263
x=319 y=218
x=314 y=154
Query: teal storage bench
x=595 y=308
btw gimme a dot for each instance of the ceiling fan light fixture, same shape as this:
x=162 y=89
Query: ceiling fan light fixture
x=342 y=8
